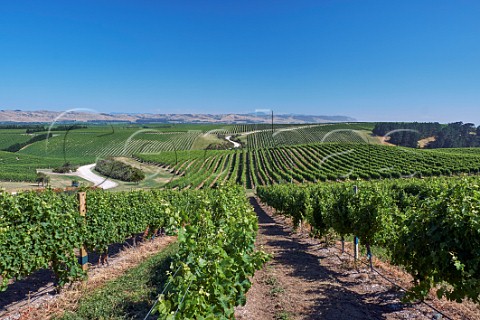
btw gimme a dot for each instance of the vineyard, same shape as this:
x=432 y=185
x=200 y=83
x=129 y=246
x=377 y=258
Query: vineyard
x=22 y=167
x=291 y=135
x=85 y=145
x=312 y=163
x=9 y=137
x=430 y=227
x=216 y=233
x=90 y=144
x=102 y=141
x=472 y=151
x=240 y=160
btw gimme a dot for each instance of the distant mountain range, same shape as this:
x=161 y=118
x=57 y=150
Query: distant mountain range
x=43 y=116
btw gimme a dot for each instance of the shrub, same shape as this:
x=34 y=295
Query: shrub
x=66 y=168
x=119 y=170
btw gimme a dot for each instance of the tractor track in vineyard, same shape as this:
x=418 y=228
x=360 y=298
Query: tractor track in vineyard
x=308 y=280
x=266 y=170
x=257 y=169
x=199 y=170
x=230 y=167
x=215 y=166
x=35 y=297
x=223 y=168
x=184 y=171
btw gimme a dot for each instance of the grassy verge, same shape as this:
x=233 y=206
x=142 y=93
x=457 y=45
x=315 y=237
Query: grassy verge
x=155 y=176
x=130 y=296
x=56 y=181
x=204 y=140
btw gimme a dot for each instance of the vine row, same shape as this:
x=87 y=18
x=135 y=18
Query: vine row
x=430 y=227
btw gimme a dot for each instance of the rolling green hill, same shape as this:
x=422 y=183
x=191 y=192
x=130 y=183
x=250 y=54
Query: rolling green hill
x=289 y=153
x=22 y=167
x=10 y=137
x=93 y=143
x=313 y=162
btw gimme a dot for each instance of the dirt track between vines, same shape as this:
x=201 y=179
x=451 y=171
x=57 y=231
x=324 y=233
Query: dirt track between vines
x=308 y=280
x=35 y=297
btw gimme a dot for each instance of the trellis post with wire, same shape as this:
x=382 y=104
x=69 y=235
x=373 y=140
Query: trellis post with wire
x=82 y=208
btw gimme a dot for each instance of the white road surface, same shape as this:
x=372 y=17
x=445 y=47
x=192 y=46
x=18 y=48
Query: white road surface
x=86 y=173
x=235 y=144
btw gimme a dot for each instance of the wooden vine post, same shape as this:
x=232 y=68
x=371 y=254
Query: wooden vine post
x=82 y=208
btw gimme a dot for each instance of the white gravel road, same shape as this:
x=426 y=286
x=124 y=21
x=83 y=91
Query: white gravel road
x=235 y=144
x=86 y=173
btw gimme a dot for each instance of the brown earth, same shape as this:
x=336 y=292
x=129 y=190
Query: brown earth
x=308 y=280
x=384 y=141
x=424 y=142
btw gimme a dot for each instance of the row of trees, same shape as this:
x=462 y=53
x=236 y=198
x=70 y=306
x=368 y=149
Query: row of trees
x=457 y=135
x=452 y=135
x=18 y=146
x=40 y=128
x=21 y=126
x=32 y=128
x=42 y=179
x=406 y=134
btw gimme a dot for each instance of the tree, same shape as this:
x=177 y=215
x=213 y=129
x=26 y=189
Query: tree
x=137 y=176
x=43 y=179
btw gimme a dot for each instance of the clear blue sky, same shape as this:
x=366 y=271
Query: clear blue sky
x=372 y=60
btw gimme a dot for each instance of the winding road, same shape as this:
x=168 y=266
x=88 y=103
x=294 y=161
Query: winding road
x=235 y=144
x=86 y=173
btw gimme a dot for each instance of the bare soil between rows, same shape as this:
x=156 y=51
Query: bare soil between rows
x=308 y=280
